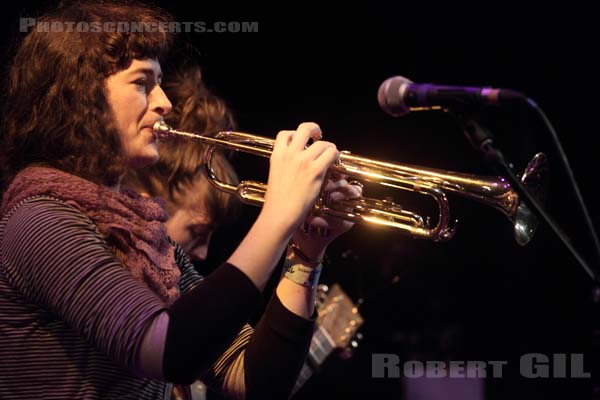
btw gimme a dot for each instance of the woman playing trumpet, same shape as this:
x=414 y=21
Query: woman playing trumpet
x=92 y=303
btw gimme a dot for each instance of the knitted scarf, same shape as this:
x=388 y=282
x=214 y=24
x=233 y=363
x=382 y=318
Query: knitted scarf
x=131 y=225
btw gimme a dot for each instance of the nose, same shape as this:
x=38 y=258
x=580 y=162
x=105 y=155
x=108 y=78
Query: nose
x=200 y=252
x=159 y=101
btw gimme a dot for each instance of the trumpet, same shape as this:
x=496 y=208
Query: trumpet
x=492 y=191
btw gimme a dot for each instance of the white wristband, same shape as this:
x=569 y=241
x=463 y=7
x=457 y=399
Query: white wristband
x=302 y=274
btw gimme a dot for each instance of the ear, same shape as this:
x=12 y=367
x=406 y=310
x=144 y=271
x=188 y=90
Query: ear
x=145 y=195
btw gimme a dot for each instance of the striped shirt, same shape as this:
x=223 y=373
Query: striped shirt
x=74 y=324
x=71 y=318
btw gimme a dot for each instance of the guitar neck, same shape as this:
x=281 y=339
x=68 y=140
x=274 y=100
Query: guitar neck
x=337 y=323
x=321 y=346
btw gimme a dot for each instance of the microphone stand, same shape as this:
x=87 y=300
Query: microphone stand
x=482 y=139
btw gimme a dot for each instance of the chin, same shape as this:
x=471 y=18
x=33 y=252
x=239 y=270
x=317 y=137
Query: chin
x=141 y=162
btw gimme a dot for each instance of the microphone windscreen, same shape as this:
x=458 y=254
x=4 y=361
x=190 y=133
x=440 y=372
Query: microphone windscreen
x=391 y=96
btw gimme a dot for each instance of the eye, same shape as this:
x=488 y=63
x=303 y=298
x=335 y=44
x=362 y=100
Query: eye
x=201 y=231
x=198 y=232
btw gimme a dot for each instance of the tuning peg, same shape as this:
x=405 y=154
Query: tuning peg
x=348 y=351
x=322 y=288
x=322 y=291
x=358 y=337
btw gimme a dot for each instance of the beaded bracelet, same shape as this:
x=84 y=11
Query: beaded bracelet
x=298 y=252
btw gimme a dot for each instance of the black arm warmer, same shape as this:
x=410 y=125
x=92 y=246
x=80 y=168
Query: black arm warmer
x=276 y=352
x=204 y=322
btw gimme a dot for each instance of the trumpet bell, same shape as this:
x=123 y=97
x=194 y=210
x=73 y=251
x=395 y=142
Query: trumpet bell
x=535 y=179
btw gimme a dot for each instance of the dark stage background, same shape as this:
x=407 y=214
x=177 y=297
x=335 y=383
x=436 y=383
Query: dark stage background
x=479 y=296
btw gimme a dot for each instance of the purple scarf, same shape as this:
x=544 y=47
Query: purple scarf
x=132 y=225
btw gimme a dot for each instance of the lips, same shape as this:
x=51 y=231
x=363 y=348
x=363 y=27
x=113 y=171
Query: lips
x=151 y=127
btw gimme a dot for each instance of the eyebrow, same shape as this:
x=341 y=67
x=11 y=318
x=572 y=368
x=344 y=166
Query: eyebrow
x=147 y=71
x=207 y=224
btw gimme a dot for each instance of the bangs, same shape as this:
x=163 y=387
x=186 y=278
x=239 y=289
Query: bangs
x=127 y=46
x=152 y=45
x=126 y=30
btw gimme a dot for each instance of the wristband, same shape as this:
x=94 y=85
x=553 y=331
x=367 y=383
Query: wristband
x=301 y=274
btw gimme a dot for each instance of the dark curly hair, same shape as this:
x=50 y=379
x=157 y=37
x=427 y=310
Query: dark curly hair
x=55 y=109
x=181 y=162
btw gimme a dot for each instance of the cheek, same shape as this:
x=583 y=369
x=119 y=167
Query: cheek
x=129 y=111
x=141 y=108
x=177 y=231
x=123 y=121
x=185 y=239
x=135 y=114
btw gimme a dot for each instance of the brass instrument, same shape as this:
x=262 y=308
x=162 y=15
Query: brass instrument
x=494 y=192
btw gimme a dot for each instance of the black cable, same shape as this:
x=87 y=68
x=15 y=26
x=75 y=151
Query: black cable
x=497 y=158
x=571 y=176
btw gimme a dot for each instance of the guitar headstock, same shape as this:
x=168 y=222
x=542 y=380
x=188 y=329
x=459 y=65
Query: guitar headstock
x=339 y=319
x=336 y=329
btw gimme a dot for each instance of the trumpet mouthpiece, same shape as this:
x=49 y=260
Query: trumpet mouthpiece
x=161 y=129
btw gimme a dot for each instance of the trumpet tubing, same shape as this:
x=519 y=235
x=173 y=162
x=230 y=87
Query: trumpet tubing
x=494 y=192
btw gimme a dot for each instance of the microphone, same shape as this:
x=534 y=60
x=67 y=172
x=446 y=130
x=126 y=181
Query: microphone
x=398 y=96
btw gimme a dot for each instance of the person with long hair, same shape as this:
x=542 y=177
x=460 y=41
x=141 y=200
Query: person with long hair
x=94 y=302
x=196 y=208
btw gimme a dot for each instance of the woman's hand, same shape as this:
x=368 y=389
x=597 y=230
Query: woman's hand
x=296 y=175
x=318 y=232
x=295 y=179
